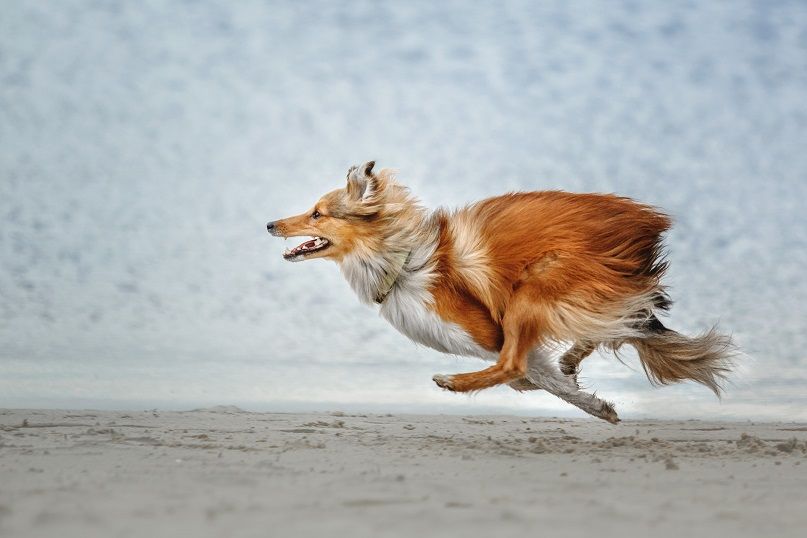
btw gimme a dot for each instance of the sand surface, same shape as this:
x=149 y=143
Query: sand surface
x=226 y=472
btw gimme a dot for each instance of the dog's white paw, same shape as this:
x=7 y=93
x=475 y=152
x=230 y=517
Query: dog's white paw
x=444 y=381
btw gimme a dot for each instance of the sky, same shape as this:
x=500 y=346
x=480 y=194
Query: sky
x=144 y=145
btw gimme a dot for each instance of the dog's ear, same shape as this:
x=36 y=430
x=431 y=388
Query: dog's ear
x=362 y=184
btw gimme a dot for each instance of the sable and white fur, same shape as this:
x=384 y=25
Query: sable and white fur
x=509 y=279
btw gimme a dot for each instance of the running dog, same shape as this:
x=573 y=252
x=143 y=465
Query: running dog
x=509 y=279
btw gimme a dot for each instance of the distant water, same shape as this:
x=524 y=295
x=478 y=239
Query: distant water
x=143 y=147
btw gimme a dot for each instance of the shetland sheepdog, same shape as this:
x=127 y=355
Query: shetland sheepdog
x=511 y=279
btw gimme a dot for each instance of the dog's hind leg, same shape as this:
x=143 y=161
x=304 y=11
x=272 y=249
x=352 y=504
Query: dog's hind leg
x=543 y=374
x=574 y=356
x=568 y=363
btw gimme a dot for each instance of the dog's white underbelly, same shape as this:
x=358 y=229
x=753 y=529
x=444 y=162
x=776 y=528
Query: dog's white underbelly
x=410 y=315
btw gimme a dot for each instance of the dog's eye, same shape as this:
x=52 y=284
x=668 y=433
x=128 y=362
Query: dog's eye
x=316 y=215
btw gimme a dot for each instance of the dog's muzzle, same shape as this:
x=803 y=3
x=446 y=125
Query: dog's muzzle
x=272 y=228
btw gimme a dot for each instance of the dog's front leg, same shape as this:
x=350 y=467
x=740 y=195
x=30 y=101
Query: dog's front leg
x=521 y=331
x=489 y=377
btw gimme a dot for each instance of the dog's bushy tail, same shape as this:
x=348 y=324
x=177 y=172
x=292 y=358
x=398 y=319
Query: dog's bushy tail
x=668 y=356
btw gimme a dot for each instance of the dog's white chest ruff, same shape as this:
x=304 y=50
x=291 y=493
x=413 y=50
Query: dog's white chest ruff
x=407 y=305
x=407 y=310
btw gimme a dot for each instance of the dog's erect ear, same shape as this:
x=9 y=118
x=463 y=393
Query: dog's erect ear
x=368 y=168
x=361 y=182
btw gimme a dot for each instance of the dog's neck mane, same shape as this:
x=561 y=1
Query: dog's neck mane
x=408 y=251
x=389 y=278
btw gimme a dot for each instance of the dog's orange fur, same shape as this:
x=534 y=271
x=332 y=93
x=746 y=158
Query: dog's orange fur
x=518 y=271
x=590 y=252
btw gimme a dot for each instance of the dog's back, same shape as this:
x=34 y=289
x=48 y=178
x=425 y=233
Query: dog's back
x=591 y=249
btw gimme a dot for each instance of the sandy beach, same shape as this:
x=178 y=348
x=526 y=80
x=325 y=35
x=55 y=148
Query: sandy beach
x=227 y=472
x=145 y=146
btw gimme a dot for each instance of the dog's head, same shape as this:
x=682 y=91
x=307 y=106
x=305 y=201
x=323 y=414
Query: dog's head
x=346 y=219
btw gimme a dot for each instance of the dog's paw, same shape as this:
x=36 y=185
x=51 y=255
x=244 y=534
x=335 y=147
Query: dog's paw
x=444 y=381
x=607 y=412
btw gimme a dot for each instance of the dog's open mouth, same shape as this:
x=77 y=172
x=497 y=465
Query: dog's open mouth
x=304 y=249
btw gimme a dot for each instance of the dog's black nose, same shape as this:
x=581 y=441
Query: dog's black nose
x=270 y=227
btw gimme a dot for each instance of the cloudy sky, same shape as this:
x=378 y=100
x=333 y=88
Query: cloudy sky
x=145 y=144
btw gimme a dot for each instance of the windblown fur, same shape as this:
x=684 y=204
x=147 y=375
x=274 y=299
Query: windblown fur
x=669 y=357
x=508 y=279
